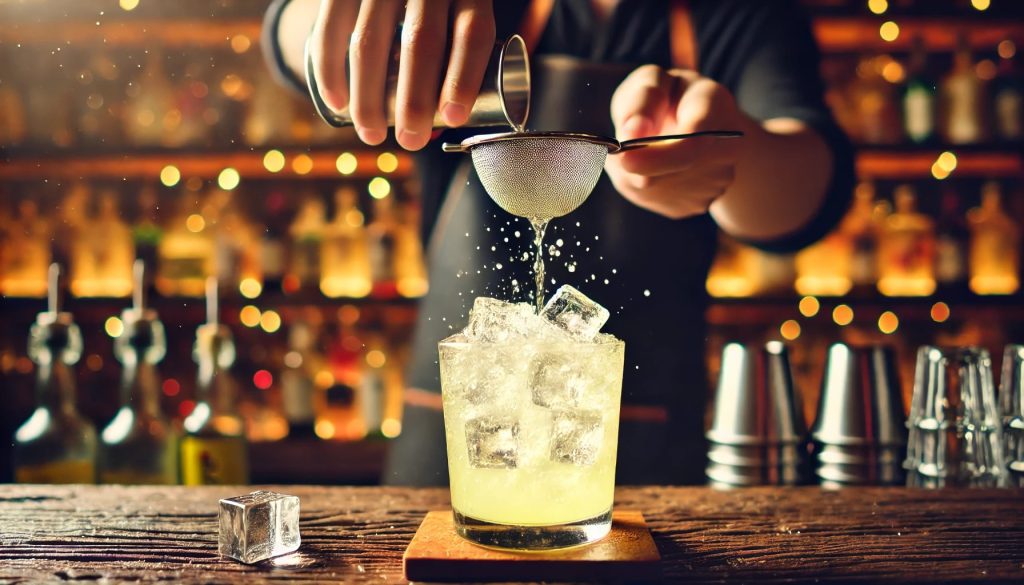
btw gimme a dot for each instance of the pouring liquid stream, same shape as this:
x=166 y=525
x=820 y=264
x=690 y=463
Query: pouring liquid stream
x=540 y=225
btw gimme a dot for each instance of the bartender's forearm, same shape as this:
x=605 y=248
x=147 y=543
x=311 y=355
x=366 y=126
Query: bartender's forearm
x=296 y=22
x=782 y=177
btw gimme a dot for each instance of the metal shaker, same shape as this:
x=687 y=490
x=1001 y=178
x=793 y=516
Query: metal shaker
x=504 y=98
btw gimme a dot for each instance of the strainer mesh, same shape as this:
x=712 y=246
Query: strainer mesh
x=539 y=177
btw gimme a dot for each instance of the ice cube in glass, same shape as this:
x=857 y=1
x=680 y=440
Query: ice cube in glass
x=575 y=313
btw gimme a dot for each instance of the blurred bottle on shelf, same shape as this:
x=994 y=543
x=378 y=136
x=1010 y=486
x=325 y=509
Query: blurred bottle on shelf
x=951 y=241
x=150 y=104
x=139 y=446
x=380 y=389
x=269 y=113
x=307 y=235
x=345 y=266
x=214 y=449
x=1008 y=94
x=239 y=252
x=186 y=252
x=964 y=104
x=70 y=221
x=98 y=108
x=823 y=268
x=146 y=232
x=56 y=444
x=861 y=226
x=919 y=96
x=382 y=237
x=102 y=259
x=995 y=246
x=184 y=123
x=298 y=388
x=13 y=128
x=340 y=418
x=876 y=102
x=410 y=269
x=26 y=253
x=906 y=253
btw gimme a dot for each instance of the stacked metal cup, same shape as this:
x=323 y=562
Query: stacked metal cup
x=757 y=436
x=956 y=429
x=1011 y=403
x=859 y=435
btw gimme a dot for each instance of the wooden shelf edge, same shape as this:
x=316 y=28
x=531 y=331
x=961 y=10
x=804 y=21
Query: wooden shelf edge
x=170 y=33
x=839 y=34
x=193 y=164
x=888 y=164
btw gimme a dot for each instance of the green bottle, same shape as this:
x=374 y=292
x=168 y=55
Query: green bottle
x=56 y=444
x=919 y=97
x=139 y=446
x=214 y=449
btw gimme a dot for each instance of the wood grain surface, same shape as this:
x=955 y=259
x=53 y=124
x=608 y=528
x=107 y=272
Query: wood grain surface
x=760 y=535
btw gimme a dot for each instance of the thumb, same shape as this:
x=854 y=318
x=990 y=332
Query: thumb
x=641 y=102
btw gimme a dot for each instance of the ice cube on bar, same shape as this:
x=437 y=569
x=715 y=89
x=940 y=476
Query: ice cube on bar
x=258 y=526
x=576 y=313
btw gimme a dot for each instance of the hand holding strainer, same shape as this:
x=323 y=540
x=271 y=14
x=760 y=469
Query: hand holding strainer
x=543 y=175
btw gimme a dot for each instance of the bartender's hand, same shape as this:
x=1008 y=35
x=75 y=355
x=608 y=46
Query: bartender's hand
x=363 y=32
x=678 y=179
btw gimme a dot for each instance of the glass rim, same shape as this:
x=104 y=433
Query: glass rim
x=520 y=343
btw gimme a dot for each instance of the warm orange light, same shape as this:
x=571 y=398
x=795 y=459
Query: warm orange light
x=878 y=6
x=889 y=31
x=346 y=163
x=240 y=43
x=250 y=316
x=195 y=223
x=273 y=161
x=888 y=322
x=302 y=164
x=270 y=321
x=981 y=4
x=1007 y=49
x=375 y=358
x=790 y=330
x=842 y=315
x=250 y=288
x=387 y=162
x=809 y=306
x=940 y=312
x=324 y=429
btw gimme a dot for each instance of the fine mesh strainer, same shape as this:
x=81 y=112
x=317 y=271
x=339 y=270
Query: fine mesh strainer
x=543 y=175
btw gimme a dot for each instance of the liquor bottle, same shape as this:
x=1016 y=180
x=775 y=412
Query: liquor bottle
x=72 y=218
x=823 y=268
x=56 y=444
x=342 y=371
x=150 y=101
x=238 y=245
x=103 y=257
x=372 y=391
x=298 y=390
x=906 y=249
x=410 y=269
x=269 y=113
x=963 y=102
x=951 y=241
x=147 y=232
x=861 y=228
x=186 y=253
x=139 y=446
x=214 y=449
x=26 y=253
x=919 y=97
x=345 y=268
x=382 y=236
x=307 y=235
x=995 y=246
x=877 y=104
x=1008 y=99
x=13 y=128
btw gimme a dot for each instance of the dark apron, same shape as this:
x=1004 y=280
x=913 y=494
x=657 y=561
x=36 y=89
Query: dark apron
x=655 y=269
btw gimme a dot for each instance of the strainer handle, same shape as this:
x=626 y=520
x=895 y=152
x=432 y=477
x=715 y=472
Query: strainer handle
x=648 y=140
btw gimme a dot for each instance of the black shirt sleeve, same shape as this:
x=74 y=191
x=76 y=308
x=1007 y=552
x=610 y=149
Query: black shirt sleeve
x=766 y=54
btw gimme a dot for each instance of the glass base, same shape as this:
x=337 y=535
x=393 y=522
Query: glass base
x=533 y=538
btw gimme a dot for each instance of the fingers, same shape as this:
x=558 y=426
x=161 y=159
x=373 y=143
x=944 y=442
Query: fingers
x=423 y=44
x=641 y=101
x=329 y=46
x=660 y=159
x=676 y=195
x=370 y=49
x=472 y=43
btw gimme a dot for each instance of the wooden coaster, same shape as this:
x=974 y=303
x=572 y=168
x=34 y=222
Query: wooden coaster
x=437 y=553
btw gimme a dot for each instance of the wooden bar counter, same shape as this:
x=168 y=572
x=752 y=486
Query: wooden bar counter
x=358 y=535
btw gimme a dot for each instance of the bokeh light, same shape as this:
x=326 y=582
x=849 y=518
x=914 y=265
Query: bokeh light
x=888 y=322
x=878 y=6
x=240 y=43
x=273 y=161
x=113 y=326
x=128 y=5
x=842 y=315
x=981 y=4
x=940 y=312
x=379 y=187
x=250 y=316
x=170 y=175
x=387 y=162
x=195 y=223
x=250 y=288
x=790 y=330
x=302 y=164
x=228 y=179
x=270 y=321
x=809 y=306
x=171 y=387
x=375 y=358
x=346 y=163
x=889 y=31
x=263 y=379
